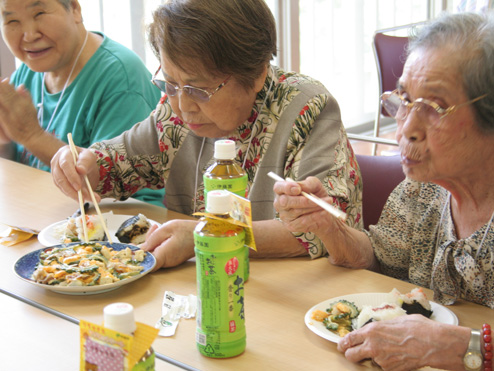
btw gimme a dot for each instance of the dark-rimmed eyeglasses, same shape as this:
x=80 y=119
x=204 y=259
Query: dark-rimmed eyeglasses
x=399 y=107
x=196 y=94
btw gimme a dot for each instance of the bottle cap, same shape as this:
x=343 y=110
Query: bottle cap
x=219 y=202
x=120 y=317
x=224 y=149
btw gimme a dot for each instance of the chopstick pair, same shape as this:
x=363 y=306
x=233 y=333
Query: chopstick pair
x=328 y=207
x=75 y=155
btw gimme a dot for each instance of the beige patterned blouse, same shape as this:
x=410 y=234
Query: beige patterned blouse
x=415 y=240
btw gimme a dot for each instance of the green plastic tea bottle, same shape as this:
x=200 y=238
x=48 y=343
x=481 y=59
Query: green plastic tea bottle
x=227 y=174
x=220 y=267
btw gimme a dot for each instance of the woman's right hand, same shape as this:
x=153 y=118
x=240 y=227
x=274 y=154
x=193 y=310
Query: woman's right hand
x=298 y=213
x=69 y=177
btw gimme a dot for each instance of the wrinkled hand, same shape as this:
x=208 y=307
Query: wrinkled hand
x=69 y=177
x=404 y=343
x=18 y=116
x=172 y=243
x=297 y=212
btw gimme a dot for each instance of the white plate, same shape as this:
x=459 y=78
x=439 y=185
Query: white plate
x=49 y=237
x=25 y=266
x=439 y=312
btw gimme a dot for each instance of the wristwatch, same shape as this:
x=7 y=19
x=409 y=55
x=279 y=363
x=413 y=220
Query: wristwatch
x=472 y=360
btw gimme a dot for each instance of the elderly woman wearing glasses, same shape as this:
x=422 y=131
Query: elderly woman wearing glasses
x=436 y=229
x=218 y=83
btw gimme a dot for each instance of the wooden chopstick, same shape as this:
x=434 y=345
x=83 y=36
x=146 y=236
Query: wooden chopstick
x=81 y=200
x=328 y=207
x=79 y=193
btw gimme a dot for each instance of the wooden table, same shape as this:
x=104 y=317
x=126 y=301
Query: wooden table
x=34 y=339
x=277 y=295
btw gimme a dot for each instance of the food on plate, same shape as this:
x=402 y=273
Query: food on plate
x=338 y=317
x=413 y=302
x=87 y=264
x=380 y=313
x=72 y=230
x=344 y=316
x=133 y=230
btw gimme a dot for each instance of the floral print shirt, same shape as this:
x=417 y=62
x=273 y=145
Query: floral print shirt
x=278 y=136
x=415 y=240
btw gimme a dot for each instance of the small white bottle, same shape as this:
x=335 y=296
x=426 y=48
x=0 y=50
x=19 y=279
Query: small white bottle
x=120 y=317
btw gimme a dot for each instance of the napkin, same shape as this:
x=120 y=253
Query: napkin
x=10 y=235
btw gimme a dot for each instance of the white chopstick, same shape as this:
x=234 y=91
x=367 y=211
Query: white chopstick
x=328 y=207
x=81 y=200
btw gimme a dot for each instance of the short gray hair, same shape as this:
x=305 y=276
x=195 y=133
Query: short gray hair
x=472 y=36
x=231 y=37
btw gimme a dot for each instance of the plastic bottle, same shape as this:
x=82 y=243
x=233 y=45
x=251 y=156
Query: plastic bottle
x=120 y=317
x=227 y=174
x=220 y=266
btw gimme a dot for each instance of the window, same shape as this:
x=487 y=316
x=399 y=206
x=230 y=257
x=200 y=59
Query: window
x=336 y=47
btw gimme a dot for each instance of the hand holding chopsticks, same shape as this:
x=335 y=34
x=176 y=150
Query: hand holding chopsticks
x=81 y=200
x=329 y=208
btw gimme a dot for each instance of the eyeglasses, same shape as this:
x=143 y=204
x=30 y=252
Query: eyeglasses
x=399 y=107
x=196 y=94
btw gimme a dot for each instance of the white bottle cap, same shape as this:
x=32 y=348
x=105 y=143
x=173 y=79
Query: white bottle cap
x=219 y=202
x=224 y=149
x=120 y=317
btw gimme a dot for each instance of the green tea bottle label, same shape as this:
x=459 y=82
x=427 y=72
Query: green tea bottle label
x=234 y=185
x=220 y=266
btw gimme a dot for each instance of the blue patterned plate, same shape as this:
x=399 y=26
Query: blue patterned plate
x=25 y=266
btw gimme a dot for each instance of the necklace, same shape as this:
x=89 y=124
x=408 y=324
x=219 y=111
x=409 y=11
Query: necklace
x=40 y=105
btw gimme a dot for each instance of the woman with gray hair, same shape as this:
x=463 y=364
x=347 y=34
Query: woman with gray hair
x=215 y=71
x=436 y=229
x=80 y=82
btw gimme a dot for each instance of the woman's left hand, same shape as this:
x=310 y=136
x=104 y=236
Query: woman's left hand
x=407 y=343
x=172 y=243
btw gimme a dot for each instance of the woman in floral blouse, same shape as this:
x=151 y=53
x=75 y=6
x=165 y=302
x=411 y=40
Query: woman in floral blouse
x=436 y=229
x=216 y=73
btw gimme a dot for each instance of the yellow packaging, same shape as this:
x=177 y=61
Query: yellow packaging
x=100 y=345
x=240 y=215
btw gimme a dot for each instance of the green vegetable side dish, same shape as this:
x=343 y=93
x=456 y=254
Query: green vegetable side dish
x=87 y=264
x=338 y=317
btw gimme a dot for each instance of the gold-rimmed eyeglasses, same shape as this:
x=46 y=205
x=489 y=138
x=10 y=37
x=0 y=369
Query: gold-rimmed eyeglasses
x=196 y=94
x=399 y=107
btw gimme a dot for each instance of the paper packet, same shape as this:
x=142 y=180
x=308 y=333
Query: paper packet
x=173 y=308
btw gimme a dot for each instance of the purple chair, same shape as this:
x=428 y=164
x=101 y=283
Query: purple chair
x=380 y=175
x=390 y=55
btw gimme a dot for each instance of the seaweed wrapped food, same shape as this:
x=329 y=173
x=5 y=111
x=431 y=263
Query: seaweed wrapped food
x=134 y=230
x=381 y=312
x=414 y=302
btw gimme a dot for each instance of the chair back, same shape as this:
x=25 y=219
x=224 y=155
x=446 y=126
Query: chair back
x=380 y=175
x=390 y=54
